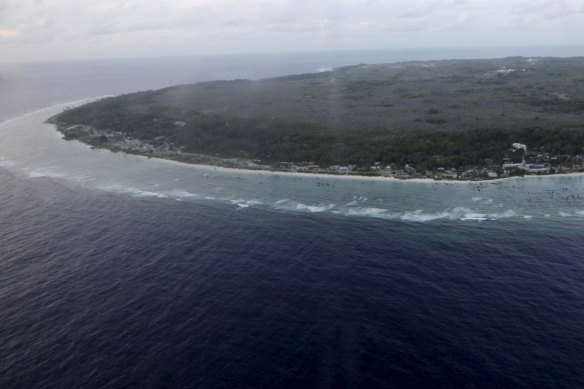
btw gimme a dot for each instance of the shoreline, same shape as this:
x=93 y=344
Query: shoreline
x=339 y=176
x=377 y=178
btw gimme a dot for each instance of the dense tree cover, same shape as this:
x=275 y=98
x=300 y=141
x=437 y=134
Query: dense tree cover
x=431 y=114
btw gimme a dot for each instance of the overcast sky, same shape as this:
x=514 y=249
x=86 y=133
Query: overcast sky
x=76 y=29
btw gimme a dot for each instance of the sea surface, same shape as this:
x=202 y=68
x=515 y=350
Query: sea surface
x=125 y=272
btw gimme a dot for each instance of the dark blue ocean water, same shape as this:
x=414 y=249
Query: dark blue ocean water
x=102 y=289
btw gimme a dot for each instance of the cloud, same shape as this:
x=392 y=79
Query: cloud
x=545 y=9
x=430 y=8
x=7 y=33
x=420 y=12
x=85 y=28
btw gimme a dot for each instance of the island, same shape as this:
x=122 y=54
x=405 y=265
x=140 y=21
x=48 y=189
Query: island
x=448 y=119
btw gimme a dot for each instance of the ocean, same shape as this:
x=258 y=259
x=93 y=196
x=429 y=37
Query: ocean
x=125 y=272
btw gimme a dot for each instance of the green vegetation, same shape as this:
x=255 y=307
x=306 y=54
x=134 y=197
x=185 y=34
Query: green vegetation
x=439 y=114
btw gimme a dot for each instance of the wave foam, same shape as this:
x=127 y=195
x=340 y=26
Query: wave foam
x=181 y=194
x=420 y=216
x=131 y=191
x=6 y=163
x=245 y=203
x=45 y=173
x=290 y=205
x=459 y=213
x=577 y=213
x=379 y=213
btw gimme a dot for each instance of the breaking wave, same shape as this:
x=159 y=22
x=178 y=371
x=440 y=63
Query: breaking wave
x=578 y=213
x=6 y=163
x=45 y=173
x=459 y=213
x=245 y=203
x=131 y=191
x=181 y=194
x=290 y=205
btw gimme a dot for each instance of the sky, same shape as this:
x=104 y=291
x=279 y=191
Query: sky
x=37 y=30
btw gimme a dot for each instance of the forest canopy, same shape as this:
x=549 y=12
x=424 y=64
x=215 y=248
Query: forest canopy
x=433 y=114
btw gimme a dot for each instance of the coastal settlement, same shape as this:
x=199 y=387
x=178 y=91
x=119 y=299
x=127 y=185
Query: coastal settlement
x=532 y=162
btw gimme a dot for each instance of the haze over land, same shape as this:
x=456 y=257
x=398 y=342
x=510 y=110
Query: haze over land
x=64 y=29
